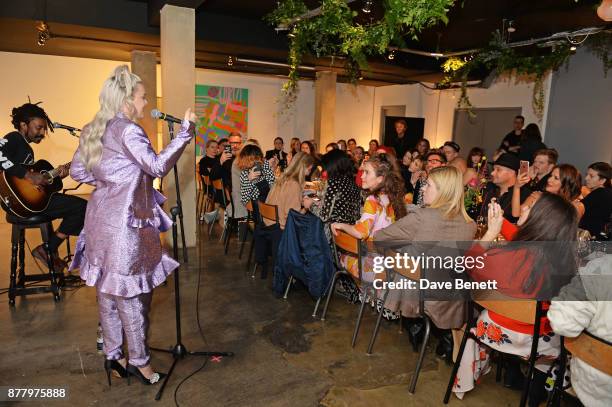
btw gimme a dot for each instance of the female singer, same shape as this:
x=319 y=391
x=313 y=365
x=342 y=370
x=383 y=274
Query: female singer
x=119 y=250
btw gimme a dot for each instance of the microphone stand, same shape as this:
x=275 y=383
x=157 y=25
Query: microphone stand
x=179 y=204
x=179 y=351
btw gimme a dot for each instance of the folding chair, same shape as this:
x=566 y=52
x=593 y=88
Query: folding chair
x=590 y=349
x=250 y=227
x=268 y=212
x=354 y=247
x=526 y=311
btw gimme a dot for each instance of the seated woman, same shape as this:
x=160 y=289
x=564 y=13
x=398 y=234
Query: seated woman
x=598 y=202
x=287 y=190
x=571 y=314
x=256 y=175
x=529 y=271
x=564 y=180
x=384 y=204
x=442 y=219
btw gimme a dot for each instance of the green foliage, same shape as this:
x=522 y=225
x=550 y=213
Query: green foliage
x=335 y=33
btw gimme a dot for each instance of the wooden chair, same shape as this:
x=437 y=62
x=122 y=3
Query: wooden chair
x=268 y=212
x=526 y=311
x=250 y=227
x=232 y=222
x=354 y=247
x=590 y=349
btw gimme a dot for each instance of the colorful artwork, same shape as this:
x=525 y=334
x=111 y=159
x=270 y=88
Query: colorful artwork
x=220 y=111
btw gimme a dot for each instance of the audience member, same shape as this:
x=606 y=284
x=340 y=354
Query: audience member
x=544 y=161
x=433 y=159
x=287 y=190
x=476 y=167
x=342 y=145
x=358 y=156
x=598 y=203
x=372 y=147
x=278 y=153
x=352 y=144
x=331 y=146
x=451 y=152
x=256 y=176
x=531 y=142
x=511 y=143
x=422 y=147
x=210 y=159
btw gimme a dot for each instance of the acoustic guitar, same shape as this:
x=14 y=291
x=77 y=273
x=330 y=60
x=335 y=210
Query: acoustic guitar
x=25 y=199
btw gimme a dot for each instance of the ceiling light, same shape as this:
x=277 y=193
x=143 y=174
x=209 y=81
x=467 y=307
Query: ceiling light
x=436 y=54
x=391 y=55
x=367 y=6
x=44 y=33
x=573 y=48
x=511 y=27
x=230 y=61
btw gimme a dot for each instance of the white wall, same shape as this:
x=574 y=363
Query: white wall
x=69 y=90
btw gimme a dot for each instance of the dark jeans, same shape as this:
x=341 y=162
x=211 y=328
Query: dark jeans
x=69 y=208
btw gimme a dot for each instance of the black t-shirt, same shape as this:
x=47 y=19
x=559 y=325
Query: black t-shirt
x=539 y=185
x=511 y=140
x=505 y=200
x=597 y=210
x=403 y=144
x=15 y=151
x=208 y=165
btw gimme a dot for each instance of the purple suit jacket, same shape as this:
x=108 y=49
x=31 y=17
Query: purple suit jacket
x=119 y=250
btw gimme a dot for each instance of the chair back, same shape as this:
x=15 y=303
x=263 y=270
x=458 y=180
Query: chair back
x=591 y=350
x=350 y=245
x=267 y=211
x=522 y=310
x=249 y=206
x=411 y=272
x=219 y=186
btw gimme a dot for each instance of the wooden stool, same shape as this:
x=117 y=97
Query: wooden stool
x=18 y=277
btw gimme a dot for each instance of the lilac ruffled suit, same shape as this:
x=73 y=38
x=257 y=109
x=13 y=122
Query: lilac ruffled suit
x=119 y=250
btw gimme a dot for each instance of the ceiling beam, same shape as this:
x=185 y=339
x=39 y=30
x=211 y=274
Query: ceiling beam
x=155 y=6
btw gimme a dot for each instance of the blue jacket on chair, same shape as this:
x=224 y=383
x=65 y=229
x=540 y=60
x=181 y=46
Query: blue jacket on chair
x=304 y=253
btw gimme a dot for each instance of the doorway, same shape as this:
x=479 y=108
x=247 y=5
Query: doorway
x=486 y=130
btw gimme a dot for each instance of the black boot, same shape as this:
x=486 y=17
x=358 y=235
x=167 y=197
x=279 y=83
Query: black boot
x=513 y=377
x=445 y=345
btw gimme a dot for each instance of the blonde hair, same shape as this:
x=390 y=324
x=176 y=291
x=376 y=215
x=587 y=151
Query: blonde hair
x=449 y=182
x=117 y=92
x=296 y=170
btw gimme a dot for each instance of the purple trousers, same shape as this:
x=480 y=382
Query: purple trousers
x=125 y=318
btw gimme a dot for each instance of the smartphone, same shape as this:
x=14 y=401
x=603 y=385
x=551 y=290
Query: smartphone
x=227 y=148
x=257 y=166
x=524 y=167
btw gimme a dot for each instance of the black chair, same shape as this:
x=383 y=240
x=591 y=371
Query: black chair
x=18 y=277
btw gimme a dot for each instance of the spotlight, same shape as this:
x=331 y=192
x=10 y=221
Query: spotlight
x=230 y=61
x=367 y=6
x=573 y=48
x=44 y=33
x=511 y=27
x=391 y=55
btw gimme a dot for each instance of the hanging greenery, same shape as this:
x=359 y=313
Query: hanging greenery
x=335 y=33
x=498 y=57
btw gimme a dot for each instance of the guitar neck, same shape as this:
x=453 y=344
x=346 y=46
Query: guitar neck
x=54 y=172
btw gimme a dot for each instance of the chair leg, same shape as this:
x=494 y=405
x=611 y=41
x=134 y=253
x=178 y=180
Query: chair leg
x=54 y=282
x=400 y=321
x=555 y=398
x=330 y=291
x=316 y=308
x=500 y=363
x=251 y=250
x=528 y=378
x=21 y=261
x=359 y=317
x=377 y=326
x=243 y=243
x=13 y=277
x=212 y=225
x=451 y=381
x=288 y=287
x=417 y=369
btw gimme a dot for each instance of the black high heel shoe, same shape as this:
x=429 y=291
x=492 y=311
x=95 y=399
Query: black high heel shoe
x=134 y=371
x=114 y=366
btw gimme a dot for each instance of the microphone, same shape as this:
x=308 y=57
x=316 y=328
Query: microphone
x=156 y=114
x=57 y=125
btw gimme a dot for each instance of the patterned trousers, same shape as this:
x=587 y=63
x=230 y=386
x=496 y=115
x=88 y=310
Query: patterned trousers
x=125 y=318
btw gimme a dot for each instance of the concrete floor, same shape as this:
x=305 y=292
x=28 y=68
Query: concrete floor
x=284 y=357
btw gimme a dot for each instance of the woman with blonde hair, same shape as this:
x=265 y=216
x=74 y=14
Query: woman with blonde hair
x=119 y=250
x=440 y=224
x=287 y=190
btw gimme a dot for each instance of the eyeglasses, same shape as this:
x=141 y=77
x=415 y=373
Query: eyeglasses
x=235 y=142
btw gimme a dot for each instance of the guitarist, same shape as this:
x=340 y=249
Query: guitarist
x=31 y=124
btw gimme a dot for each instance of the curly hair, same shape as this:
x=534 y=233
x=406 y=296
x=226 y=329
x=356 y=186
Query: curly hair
x=26 y=112
x=385 y=166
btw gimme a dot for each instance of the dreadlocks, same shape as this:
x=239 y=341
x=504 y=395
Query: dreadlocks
x=27 y=112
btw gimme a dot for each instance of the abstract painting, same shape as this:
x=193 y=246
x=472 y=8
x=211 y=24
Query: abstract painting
x=220 y=110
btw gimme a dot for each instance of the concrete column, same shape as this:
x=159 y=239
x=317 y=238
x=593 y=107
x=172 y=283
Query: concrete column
x=144 y=65
x=325 y=109
x=178 y=89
